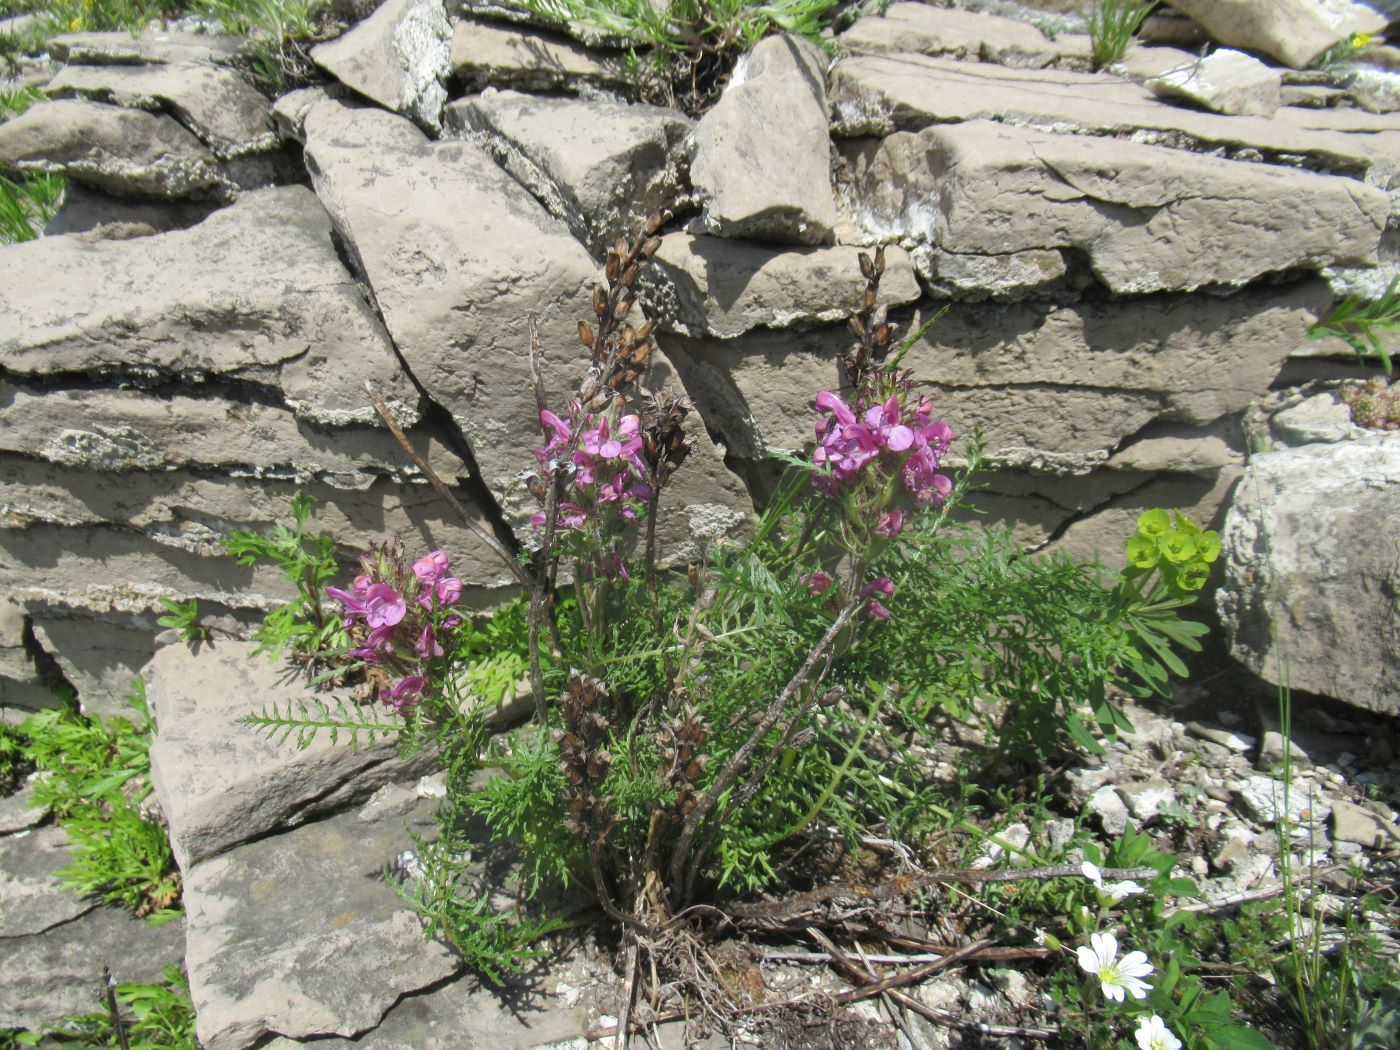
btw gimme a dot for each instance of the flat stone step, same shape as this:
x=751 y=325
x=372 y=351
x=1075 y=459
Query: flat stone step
x=304 y=934
x=54 y=944
x=221 y=782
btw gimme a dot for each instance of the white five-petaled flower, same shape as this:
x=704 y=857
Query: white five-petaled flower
x=1116 y=976
x=1115 y=893
x=1153 y=1034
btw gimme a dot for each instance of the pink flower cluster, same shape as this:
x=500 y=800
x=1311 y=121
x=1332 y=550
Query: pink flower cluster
x=607 y=468
x=396 y=619
x=888 y=436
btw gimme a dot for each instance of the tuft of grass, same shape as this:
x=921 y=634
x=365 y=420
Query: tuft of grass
x=276 y=20
x=1112 y=24
x=85 y=16
x=156 y=1016
x=688 y=47
x=26 y=202
x=277 y=29
x=96 y=777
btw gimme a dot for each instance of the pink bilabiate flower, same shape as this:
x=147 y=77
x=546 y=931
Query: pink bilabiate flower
x=384 y=606
x=378 y=643
x=427 y=645
x=885 y=423
x=406 y=692
x=431 y=567
x=353 y=605
x=816 y=582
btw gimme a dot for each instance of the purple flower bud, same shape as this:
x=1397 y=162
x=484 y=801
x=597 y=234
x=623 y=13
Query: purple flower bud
x=873 y=606
x=816 y=582
x=890 y=524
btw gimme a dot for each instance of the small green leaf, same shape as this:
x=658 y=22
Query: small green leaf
x=1238 y=1037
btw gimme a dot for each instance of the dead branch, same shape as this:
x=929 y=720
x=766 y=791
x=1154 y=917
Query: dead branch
x=887 y=987
x=904 y=885
x=472 y=522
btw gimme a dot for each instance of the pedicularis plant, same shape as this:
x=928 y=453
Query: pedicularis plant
x=699 y=730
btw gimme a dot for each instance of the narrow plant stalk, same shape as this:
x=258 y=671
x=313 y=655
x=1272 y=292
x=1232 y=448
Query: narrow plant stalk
x=683 y=865
x=835 y=782
x=109 y=988
x=471 y=522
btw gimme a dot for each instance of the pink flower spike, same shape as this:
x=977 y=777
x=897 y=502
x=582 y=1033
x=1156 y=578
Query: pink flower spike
x=427 y=645
x=431 y=567
x=817 y=582
x=384 y=606
x=890 y=524
x=876 y=611
x=449 y=591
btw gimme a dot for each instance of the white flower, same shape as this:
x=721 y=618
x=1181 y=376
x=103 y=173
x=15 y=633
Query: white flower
x=1109 y=894
x=1116 y=976
x=1153 y=1034
x=1119 y=890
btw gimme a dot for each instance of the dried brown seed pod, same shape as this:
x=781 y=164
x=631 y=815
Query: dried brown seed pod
x=630 y=275
x=867 y=268
x=651 y=247
x=613 y=267
x=623 y=306
x=879 y=261
x=857 y=328
x=600 y=300
x=585 y=333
